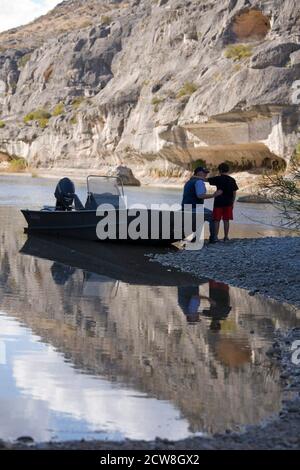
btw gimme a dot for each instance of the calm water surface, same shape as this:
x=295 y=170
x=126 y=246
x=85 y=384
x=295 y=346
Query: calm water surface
x=27 y=192
x=96 y=343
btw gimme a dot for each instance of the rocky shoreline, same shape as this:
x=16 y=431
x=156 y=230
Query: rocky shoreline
x=264 y=266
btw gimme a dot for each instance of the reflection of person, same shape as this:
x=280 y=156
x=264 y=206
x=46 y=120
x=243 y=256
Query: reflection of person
x=194 y=194
x=189 y=300
x=223 y=204
x=230 y=351
x=226 y=348
x=61 y=273
x=220 y=304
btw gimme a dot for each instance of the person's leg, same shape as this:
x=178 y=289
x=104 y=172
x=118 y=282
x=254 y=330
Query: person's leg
x=217 y=228
x=227 y=216
x=217 y=216
x=226 y=229
x=208 y=217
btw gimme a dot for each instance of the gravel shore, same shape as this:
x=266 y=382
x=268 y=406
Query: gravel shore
x=265 y=266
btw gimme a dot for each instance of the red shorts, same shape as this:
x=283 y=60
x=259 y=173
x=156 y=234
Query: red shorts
x=225 y=213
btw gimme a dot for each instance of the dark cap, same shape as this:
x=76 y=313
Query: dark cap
x=200 y=168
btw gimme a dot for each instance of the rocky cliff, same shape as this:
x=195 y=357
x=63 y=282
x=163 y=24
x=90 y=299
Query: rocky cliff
x=152 y=84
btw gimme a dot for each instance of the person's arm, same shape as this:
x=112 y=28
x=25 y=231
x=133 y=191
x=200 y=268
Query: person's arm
x=201 y=191
x=235 y=189
x=211 y=196
x=234 y=197
x=213 y=181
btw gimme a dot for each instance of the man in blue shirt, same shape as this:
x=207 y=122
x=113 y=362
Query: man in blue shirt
x=195 y=193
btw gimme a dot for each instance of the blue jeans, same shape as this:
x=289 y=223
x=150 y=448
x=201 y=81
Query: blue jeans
x=208 y=217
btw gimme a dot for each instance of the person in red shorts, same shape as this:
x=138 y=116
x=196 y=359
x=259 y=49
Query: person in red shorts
x=223 y=205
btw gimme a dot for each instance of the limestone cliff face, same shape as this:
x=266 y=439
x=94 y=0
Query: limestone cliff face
x=154 y=85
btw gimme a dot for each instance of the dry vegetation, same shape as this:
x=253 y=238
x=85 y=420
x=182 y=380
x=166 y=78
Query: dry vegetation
x=187 y=90
x=156 y=102
x=64 y=17
x=17 y=165
x=238 y=52
x=77 y=102
x=59 y=109
x=171 y=172
x=24 y=59
x=283 y=190
x=41 y=116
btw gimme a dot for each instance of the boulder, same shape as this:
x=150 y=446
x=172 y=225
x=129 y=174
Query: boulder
x=126 y=175
x=276 y=56
x=295 y=58
x=254 y=199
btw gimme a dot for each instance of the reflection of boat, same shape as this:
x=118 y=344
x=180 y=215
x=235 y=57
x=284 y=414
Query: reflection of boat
x=111 y=260
x=73 y=220
x=99 y=286
x=93 y=285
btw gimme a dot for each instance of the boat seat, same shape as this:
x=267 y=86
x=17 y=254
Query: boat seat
x=95 y=200
x=78 y=204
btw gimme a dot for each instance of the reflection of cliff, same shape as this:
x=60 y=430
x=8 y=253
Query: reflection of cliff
x=44 y=383
x=139 y=335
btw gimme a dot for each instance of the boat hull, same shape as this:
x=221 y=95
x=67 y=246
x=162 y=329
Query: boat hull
x=83 y=225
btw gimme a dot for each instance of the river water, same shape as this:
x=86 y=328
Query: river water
x=96 y=342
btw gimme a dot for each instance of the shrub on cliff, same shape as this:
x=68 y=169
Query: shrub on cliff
x=187 y=90
x=2 y=124
x=156 y=102
x=23 y=60
x=37 y=114
x=238 y=52
x=199 y=162
x=43 y=122
x=17 y=164
x=77 y=102
x=41 y=116
x=73 y=120
x=59 y=109
x=106 y=20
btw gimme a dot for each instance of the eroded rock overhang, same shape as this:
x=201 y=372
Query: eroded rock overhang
x=264 y=136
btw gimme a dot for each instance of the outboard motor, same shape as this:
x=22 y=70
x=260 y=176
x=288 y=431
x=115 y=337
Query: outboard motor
x=64 y=194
